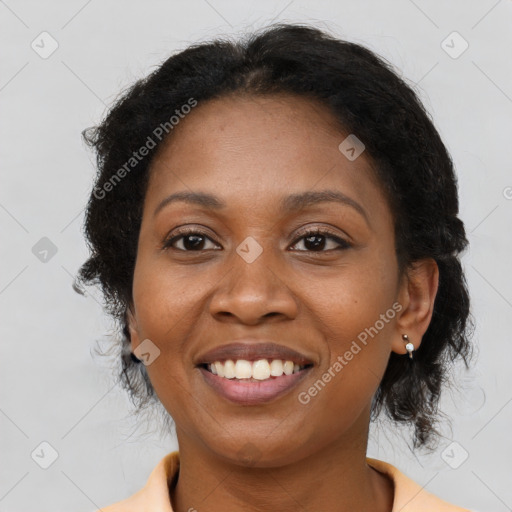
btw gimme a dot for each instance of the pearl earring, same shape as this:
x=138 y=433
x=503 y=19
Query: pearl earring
x=409 y=346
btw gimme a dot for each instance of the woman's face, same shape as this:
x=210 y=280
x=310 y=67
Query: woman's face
x=251 y=274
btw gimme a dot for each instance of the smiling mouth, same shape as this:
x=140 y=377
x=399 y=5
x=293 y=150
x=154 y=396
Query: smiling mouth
x=253 y=371
x=253 y=383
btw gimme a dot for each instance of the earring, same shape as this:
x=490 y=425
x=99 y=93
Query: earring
x=409 y=346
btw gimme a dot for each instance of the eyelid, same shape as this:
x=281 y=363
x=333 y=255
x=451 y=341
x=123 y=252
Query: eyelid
x=180 y=232
x=322 y=231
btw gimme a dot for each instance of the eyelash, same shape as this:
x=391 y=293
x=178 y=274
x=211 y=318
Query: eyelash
x=183 y=233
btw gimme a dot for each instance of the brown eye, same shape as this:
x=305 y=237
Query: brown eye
x=191 y=240
x=317 y=240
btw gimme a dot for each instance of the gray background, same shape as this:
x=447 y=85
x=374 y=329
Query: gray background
x=53 y=390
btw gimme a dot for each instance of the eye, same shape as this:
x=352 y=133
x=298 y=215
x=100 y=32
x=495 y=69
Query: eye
x=191 y=240
x=194 y=240
x=315 y=240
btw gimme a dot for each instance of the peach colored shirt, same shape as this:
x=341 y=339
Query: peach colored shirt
x=154 y=496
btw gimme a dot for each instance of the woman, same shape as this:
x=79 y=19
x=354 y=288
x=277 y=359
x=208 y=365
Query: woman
x=274 y=225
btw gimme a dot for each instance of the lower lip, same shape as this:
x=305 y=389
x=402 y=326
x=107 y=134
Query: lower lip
x=251 y=392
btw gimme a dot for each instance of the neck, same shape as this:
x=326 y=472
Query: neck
x=336 y=478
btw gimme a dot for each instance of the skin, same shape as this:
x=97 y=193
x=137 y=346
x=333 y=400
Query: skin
x=251 y=152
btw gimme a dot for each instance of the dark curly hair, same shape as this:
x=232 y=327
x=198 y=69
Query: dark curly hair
x=369 y=99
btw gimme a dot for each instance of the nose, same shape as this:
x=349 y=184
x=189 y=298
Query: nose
x=252 y=293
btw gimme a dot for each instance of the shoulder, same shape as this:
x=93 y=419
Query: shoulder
x=409 y=495
x=138 y=502
x=154 y=496
x=126 y=505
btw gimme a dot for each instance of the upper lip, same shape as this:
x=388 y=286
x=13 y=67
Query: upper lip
x=252 y=350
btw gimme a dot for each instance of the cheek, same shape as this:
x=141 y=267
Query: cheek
x=163 y=317
x=164 y=299
x=169 y=305
x=354 y=298
x=358 y=345
x=356 y=316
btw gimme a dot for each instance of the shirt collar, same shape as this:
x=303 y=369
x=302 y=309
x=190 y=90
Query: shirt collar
x=154 y=496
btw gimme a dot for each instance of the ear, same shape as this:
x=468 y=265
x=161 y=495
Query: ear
x=417 y=294
x=132 y=327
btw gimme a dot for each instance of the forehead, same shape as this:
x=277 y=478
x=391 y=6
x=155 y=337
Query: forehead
x=245 y=147
x=243 y=125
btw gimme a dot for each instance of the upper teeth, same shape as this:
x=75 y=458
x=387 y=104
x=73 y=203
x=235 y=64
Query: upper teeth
x=260 y=370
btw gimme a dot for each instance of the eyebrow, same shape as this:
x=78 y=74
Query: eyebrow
x=290 y=203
